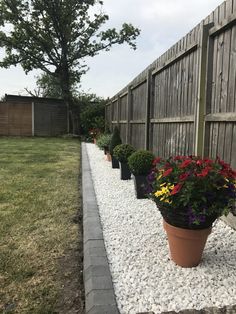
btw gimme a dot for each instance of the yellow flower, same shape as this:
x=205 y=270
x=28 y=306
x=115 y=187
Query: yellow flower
x=165 y=190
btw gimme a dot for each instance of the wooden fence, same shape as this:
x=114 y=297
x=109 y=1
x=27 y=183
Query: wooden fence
x=185 y=101
x=32 y=116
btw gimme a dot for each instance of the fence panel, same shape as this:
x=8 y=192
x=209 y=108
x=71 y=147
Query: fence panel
x=220 y=107
x=15 y=119
x=3 y=118
x=50 y=119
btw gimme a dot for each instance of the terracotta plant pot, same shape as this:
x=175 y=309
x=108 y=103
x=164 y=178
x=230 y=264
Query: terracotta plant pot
x=125 y=173
x=106 y=150
x=186 y=245
x=108 y=156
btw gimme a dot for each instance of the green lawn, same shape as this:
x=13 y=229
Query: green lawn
x=39 y=203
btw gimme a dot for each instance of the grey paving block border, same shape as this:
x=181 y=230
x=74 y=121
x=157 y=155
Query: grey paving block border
x=99 y=291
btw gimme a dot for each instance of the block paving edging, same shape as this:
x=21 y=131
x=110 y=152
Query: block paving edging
x=99 y=291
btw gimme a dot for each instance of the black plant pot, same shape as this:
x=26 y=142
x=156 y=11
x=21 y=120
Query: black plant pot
x=114 y=163
x=141 y=185
x=125 y=173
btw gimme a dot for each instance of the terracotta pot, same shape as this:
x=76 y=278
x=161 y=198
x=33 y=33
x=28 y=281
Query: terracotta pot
x=186 y=245
x=108 y=156
x=106 y=150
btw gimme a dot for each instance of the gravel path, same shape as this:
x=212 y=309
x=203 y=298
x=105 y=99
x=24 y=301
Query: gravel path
x=144 y=277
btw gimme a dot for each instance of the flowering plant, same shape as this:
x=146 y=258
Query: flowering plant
x=192 y=192
x=94 y=132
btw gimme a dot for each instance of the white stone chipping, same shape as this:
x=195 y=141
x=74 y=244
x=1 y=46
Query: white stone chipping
x=144 y=277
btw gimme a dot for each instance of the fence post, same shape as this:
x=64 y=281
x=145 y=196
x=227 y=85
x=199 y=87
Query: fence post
x=128 y=114
x=202 y=92
x=106 y=118
x=32 y=118
x=148 y=105
x=118 y=112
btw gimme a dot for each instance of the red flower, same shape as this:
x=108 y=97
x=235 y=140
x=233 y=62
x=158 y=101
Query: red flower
x=224 y=164
x=185 y=163
x=233 y=174
x=167 y=165
x=156 y=161
x=167 y=172
x=177 y=188
x=183 y=176
x=204 y=172
x=208 y=161
x=228 y=173
x=199 y=162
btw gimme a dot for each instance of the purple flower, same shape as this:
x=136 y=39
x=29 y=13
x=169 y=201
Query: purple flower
x=151 y=177
x=148 y=189
x=195 y=218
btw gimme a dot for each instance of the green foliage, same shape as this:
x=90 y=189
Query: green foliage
x=93 y=117
x=140 y=162
x=49 y=86
x=56 y=37
x=115 y=139
x=104 y=141
x=123 y=151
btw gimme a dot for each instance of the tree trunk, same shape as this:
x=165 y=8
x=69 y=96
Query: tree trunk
x=73 y=111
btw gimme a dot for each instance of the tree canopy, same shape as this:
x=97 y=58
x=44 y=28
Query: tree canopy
x=56 y=35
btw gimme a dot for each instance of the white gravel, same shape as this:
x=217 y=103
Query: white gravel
x=144 y=277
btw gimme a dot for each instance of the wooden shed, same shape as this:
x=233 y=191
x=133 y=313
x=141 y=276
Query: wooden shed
x=32 y=116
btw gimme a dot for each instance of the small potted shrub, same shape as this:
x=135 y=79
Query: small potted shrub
x=140 y=164
x=115 y=140
x=121 y=153
x=103 y=142
x=191 y=193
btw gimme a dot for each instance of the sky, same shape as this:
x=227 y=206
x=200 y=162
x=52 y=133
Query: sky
x=162 y=24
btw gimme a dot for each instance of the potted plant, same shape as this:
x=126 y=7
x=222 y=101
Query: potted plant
x=115 y=140
x=94 y=134
x=121 y=153
x=191 y=193
x=140 y=164
x=103 y=142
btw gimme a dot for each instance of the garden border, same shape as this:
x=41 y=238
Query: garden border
x=99 y=291
x=94 y=247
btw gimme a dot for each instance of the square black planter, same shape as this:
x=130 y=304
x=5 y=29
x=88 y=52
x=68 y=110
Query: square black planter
x=114 y=163
x=125 y=173
x=141 y=185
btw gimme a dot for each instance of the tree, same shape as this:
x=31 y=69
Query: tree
x=55 y=36
x=49 y=86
